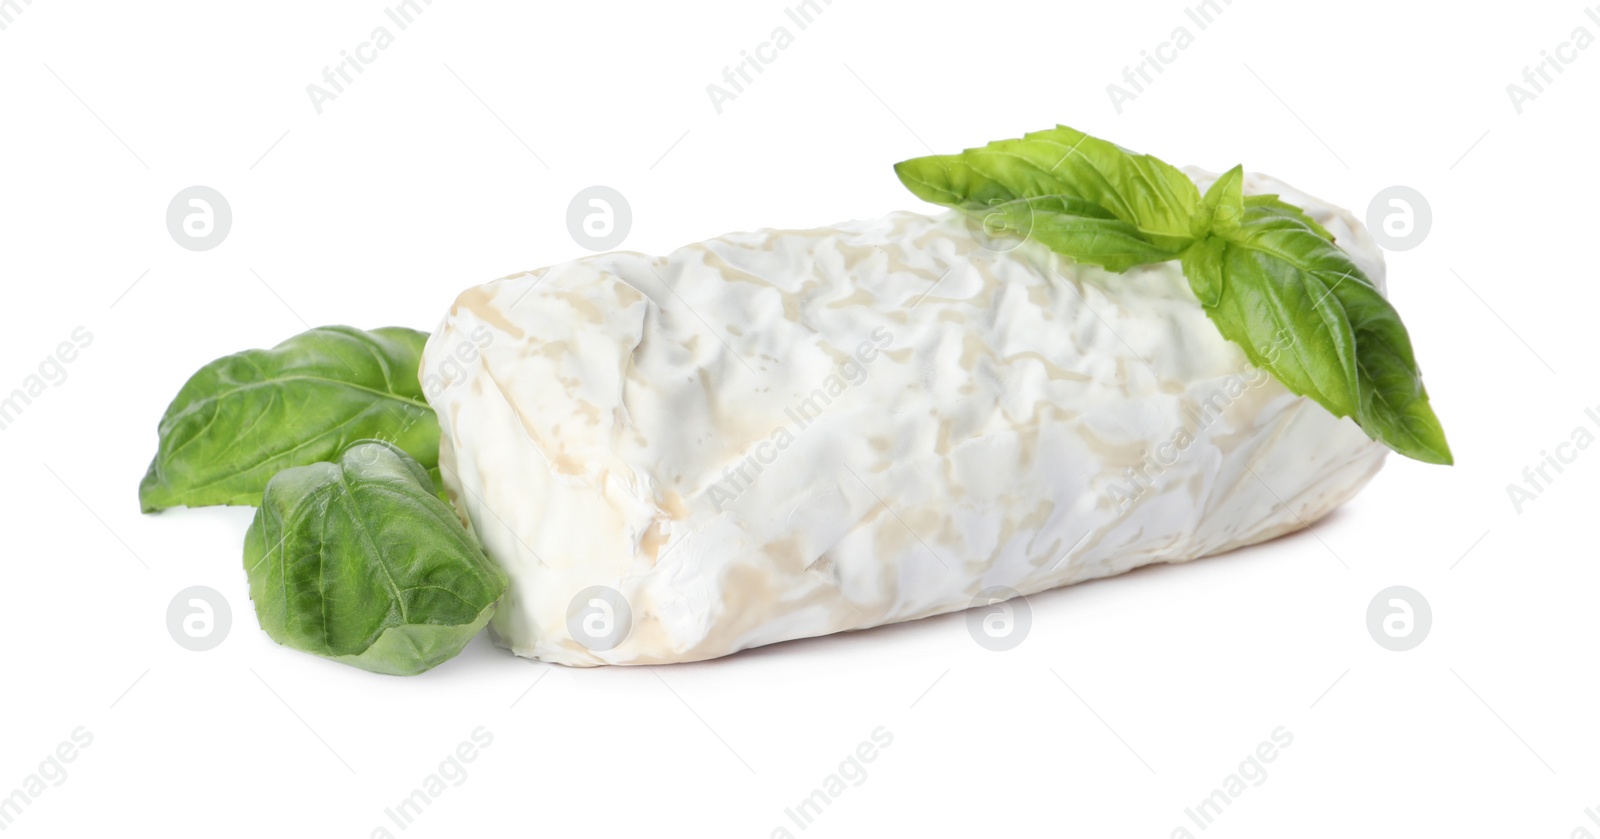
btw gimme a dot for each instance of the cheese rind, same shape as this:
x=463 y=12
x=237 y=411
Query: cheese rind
x=781 y=434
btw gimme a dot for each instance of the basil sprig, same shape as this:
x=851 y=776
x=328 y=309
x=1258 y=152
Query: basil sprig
x=1264 y=271
x=352 y=554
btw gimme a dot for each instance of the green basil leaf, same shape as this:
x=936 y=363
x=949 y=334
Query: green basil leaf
x=1224 y=203
x=1072 y=226
x=244 y=417
x=1269 y=276
x=359 y=561
x=1303 y=310
x=1259 y=205
x=1157 y=201
x=1202 y=267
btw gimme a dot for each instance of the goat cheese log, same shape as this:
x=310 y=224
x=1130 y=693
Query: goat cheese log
x=786 y=433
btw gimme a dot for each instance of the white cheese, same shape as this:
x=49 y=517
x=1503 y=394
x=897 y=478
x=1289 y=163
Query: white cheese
x=781 y=434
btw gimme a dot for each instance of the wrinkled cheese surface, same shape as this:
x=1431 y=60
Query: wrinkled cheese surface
x=786 y=433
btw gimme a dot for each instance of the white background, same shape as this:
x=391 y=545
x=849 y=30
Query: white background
x=451 y=161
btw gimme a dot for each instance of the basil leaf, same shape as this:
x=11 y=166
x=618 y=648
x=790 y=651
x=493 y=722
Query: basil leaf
x=1224 y=203
x=244 y=417
x=1074 y=227
x=1259 y=205
x=359 y=561
x=1305 y=312
x=1202 y=267
x=1269 y=276
x=1159 y=203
